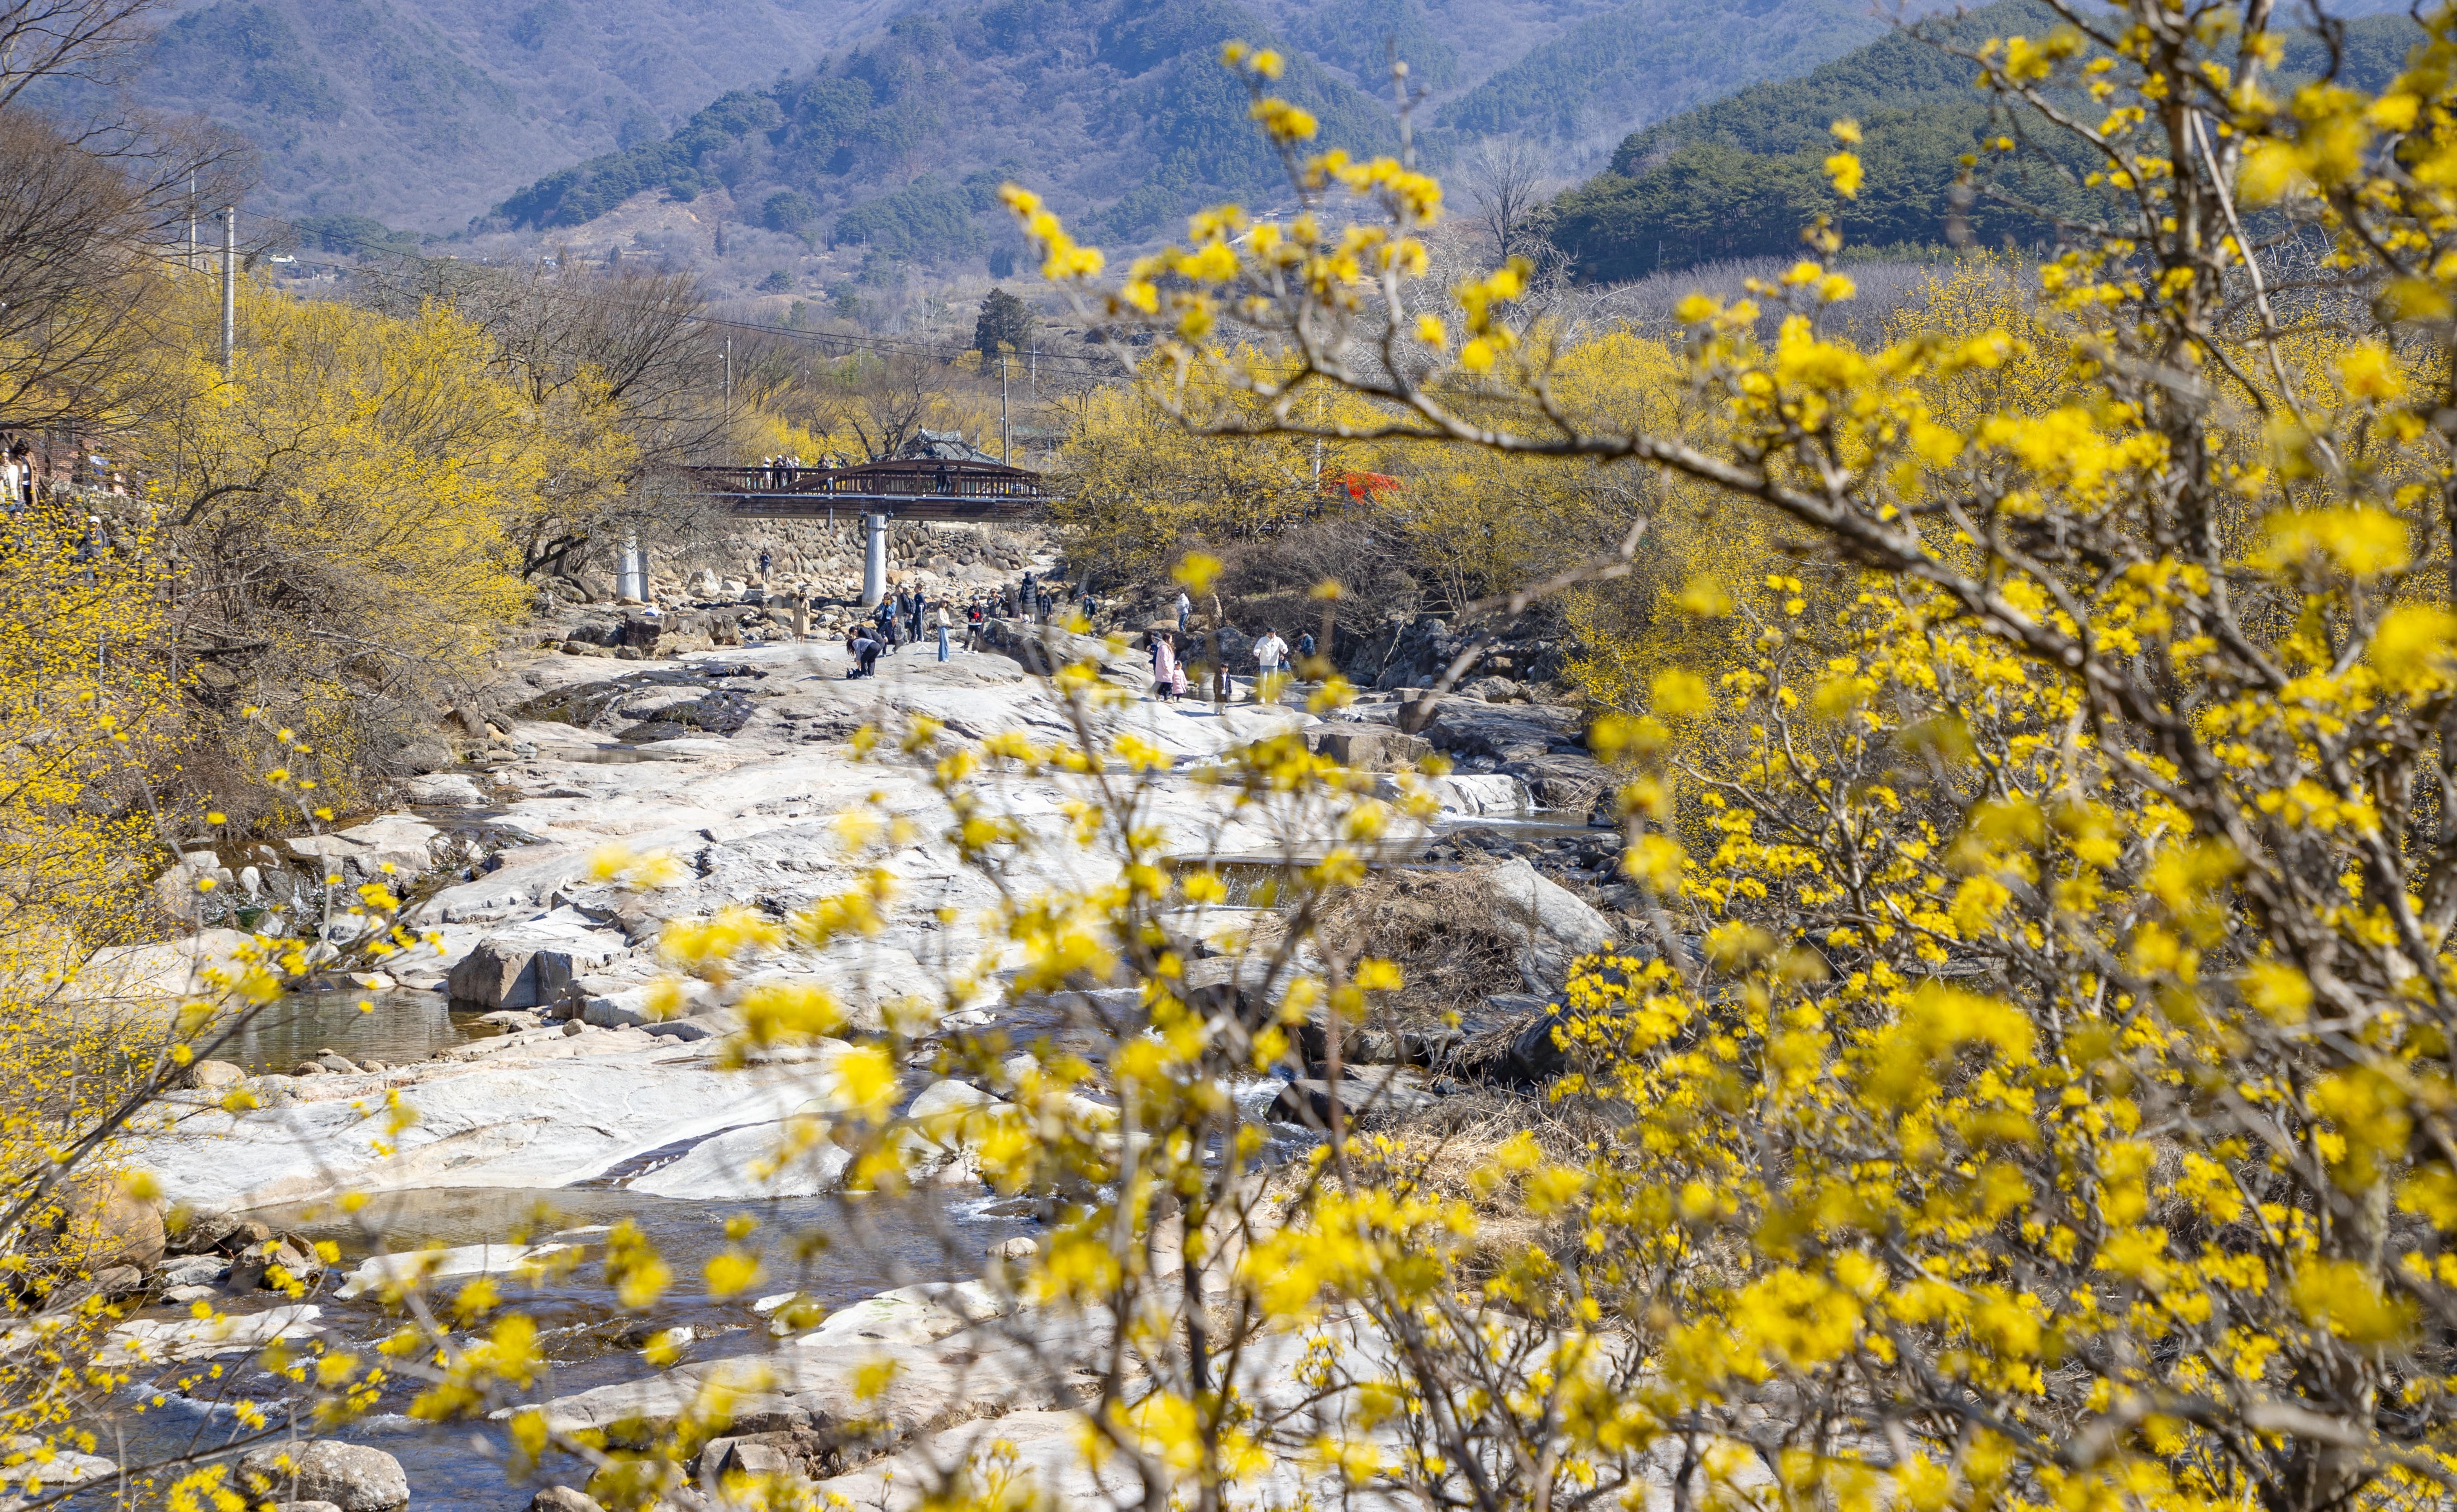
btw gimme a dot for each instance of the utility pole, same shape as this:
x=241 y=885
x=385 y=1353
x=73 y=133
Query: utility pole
x=728 y=376
x=1317 y=444
x=230 y=288
x=191 y=222
x=1002 y=441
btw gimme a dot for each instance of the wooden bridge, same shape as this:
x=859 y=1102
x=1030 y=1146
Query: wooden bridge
x=901 y=488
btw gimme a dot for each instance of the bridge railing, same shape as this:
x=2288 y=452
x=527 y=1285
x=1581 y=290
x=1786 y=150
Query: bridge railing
x=915 y=483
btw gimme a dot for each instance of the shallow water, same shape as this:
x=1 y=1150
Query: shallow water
x=864 y=1248
x=402 y=1026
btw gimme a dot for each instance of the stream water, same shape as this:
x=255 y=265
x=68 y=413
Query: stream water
x=398 y=1026
x=863 y=1246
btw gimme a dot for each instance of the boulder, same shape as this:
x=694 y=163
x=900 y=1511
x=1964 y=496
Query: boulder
x=499 y=974
x=1490 y=792
x=627 y=1007
x=426 y=752
x=1536 y=1055
x=749 y=1454
x=1241 y=985
x=102 y=1226
x=207 y=1233
x=1501 y=732
x=361 y=852
x=162 y=1340
x=195 y=1270
x=713 y=1025
x=1556 y=924
x=1374 y=748
x=207 y=1076
x=445 y=790
x=564 y=1499
x=304 y=1507
x=61 y=1466
x=1375 y=1091
x=1045 y=648
x=1304 y=1101
x=186 y=889
x=529 y=968
x=743 y=1164
x=1563 y=781
x=378 y=1271
x=351 y=1477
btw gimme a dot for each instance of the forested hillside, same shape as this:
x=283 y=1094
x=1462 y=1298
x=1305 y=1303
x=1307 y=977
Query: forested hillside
x=425 y=113
x=1645 y=60
x=1113 y=105
x=1740 y=177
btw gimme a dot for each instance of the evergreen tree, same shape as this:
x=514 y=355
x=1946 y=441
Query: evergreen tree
x=1004 y=319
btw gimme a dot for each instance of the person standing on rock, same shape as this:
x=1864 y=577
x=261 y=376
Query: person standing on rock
x=802 y=614
x=1166 y=677
x=1269 y=652
x=1185 y=607
x=942 y=629
x=1305 y=650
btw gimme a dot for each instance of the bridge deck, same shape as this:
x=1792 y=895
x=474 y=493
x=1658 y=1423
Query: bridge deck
x=917 y=488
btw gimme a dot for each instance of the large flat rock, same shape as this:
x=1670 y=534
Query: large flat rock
x=510 y=1120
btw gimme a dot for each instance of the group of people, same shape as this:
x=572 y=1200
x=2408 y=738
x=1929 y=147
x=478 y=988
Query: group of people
x=905 y=617
x=908 y=616
x=786 y=472
x=1273 y=658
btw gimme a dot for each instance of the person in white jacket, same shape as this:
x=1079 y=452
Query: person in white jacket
x=942 y=629
x=1269 y=653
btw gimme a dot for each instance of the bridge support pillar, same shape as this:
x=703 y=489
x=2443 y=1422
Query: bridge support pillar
x=631 y=569
x=874 y=560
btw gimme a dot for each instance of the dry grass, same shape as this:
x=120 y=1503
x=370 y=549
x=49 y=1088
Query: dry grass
x=1454 y=941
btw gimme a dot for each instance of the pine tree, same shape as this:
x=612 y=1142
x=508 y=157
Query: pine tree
x=1005 y=320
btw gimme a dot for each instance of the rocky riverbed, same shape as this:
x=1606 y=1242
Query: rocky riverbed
x=561 y=1095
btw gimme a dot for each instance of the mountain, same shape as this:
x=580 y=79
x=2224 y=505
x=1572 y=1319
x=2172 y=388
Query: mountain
x=425 y=113
x=1644 y=61
x=1120 y=112
x=1115 y=108
x=1741 y=176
